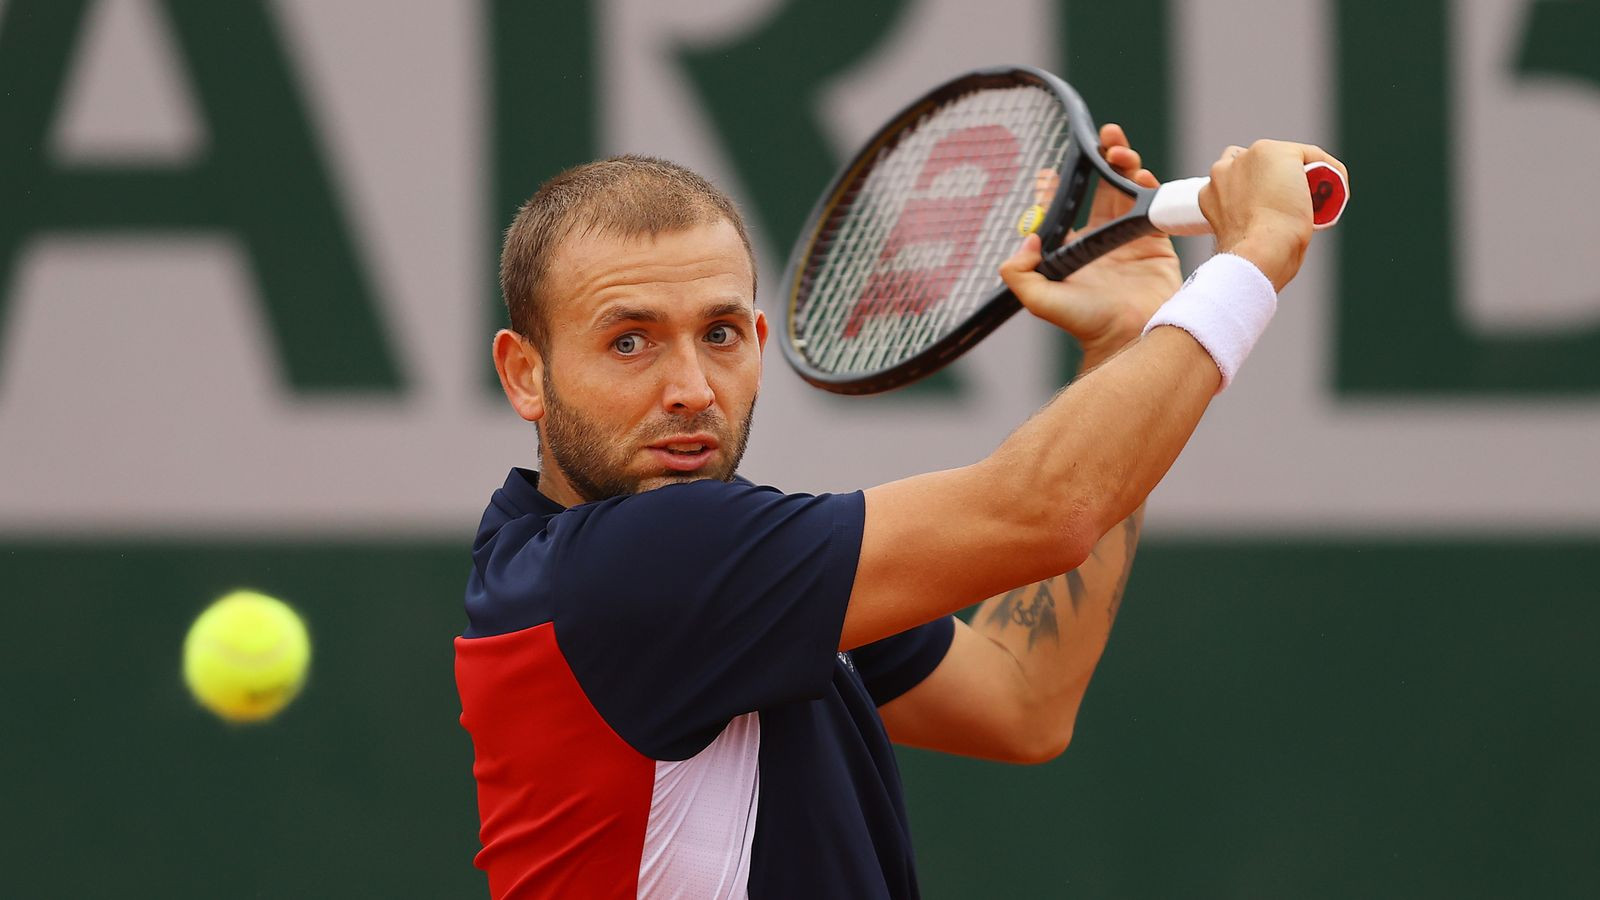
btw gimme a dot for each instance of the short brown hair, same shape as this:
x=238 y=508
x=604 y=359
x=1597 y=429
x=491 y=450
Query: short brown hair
x=624 y=196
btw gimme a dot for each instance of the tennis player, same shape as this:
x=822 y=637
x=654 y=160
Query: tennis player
x=682 y=684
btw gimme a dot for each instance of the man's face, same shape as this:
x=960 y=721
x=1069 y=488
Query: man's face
x=653 y=365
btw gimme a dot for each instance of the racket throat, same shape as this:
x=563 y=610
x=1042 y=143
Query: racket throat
x=1059 y=264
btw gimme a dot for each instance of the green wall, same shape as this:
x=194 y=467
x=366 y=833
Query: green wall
x=1402 y=719
x=1273 y=719
x=119 y=786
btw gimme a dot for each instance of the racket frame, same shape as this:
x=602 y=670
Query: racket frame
x=1082 y=159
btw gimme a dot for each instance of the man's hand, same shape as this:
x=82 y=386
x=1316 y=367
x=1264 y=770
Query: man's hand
x=1106 y=303
x=1258 y=205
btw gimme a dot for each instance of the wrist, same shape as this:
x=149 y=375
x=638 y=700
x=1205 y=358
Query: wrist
x=1123 y=333
x=1095 y=357
x=1272 y=256
x=1098 y=354
x=1225 y=305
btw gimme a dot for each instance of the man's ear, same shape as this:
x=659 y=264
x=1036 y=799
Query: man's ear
x=521 y=369
x=761 y=329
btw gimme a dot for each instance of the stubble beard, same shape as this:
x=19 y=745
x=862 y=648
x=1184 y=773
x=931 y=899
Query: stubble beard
x=595 y=462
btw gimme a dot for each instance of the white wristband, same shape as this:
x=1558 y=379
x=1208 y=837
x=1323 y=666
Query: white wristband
x=1225 y=305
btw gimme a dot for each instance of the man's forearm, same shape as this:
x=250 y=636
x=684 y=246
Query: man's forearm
x=1039 y=503
x=1092 y=455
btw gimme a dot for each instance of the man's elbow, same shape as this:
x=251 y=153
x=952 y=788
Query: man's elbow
x=1040 y=745
x=1040 y=732
x=1059 y=540
x=1039 y=726
x=1073 y=528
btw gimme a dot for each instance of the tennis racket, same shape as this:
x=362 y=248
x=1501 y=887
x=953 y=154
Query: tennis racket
x=896 y=271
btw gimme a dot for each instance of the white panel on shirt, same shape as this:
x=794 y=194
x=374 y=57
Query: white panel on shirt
x=703 y=819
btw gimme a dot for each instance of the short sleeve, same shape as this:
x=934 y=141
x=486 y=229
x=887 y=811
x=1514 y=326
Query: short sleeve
x=898 y=663
x=682 y=607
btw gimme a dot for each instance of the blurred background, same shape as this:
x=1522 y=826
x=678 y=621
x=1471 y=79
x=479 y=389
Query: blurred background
x=247 y=259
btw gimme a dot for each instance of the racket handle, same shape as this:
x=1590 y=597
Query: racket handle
x=1175 y=209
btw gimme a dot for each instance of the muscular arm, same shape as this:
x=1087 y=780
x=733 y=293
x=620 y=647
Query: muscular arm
x=1039 y=504
x=1012 y=682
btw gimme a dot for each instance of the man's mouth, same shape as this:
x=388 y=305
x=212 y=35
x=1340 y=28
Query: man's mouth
x=684 y=454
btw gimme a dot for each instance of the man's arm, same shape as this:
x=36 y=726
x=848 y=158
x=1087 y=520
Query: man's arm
x=1038 y=505
x=1011 y=684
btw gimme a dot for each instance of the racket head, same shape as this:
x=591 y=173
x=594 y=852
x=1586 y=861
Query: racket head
x=895 y=273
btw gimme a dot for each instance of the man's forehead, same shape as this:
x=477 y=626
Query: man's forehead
x=589 y=269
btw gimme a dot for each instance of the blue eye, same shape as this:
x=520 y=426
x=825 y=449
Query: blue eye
x=722 y=334
x=628 y=344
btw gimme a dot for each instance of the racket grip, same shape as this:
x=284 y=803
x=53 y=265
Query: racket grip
x=1175 y=209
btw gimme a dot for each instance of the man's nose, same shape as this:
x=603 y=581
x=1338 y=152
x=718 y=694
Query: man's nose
x=687 y=389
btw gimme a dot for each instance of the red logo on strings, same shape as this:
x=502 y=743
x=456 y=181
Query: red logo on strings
x=952 y=221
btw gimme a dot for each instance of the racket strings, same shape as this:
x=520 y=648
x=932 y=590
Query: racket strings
x=859 y=244
x=965 y=298
x=911 y=249
x=881 y=199
x=846 y=267
x=895 y=180
x=883 y=339
x=972 y=182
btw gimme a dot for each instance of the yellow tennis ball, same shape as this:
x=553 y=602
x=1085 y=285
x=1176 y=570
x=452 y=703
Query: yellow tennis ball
x=245 y=657
x=1029 y=223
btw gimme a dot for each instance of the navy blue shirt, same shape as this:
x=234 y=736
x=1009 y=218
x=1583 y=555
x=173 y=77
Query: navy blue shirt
x=680 y=646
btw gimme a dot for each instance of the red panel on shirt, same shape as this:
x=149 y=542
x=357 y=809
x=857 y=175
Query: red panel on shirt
x=563 y=800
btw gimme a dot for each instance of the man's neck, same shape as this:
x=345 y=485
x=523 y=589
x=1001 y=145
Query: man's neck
x=553 y=483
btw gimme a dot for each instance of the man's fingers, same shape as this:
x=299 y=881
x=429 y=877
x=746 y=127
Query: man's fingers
x=1312 y=153
x=1307 y=153
x=1119 y=153
x=1229 y=153
x=1125 y=160
x=1026 y=259
x=1116 y=150
x=1018 y=271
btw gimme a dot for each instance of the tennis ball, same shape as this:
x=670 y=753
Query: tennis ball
x=1029 y=223
x=245 y=657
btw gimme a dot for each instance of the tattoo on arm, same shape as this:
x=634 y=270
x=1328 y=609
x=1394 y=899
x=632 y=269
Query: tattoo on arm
x=1034 y=606
x=1130 y=539
x=1037 y=613
x=1075 y=589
